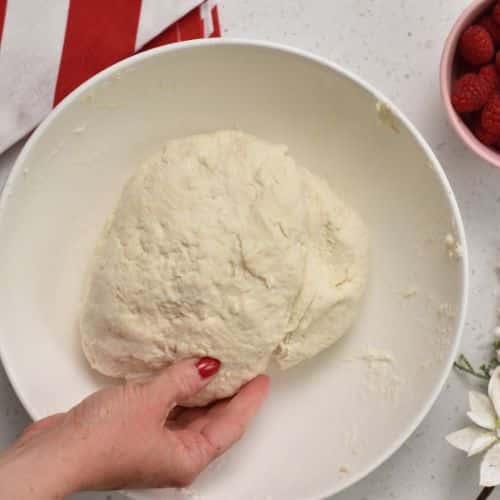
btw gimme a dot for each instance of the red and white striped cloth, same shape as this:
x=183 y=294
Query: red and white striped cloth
x=49 y=47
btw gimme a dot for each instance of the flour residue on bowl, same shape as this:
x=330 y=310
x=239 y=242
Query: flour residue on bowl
x=453 y=247
x=79 y=129
x=380 y=373
x=190 y=493
x=442 y=334
x=410 y=292
x=386 y=117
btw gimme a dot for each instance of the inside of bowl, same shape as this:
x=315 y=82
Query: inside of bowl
x=328 y=421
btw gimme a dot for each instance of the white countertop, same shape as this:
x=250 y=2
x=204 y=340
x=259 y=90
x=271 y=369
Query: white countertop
x=396 y=46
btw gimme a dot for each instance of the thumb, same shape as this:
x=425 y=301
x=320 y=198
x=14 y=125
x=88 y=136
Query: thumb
x=181 y=381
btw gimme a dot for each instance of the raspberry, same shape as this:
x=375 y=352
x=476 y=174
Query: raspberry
x=492 y=28
x=497 y=60
x=490 y=117
x=487 y=138
x=470 y=93
x=496 y=13
x=490 y=76
x=476 y=45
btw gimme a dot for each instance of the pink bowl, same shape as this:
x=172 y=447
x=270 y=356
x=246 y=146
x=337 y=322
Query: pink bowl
x=448 y=73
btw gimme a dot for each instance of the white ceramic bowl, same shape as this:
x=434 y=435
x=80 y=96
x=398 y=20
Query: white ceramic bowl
x=330 y=421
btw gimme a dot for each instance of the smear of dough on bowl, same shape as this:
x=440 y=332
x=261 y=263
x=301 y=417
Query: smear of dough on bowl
x=221 y=245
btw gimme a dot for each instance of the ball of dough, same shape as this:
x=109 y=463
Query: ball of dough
x=221 y=245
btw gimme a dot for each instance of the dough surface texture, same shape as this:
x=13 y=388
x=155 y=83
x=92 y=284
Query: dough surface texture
x=221 y=245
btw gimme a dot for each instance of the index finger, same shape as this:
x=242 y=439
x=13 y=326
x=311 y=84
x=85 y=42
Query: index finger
x=227 y=426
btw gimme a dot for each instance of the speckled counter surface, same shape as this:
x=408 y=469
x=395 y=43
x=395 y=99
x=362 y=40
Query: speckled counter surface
x=395 y=45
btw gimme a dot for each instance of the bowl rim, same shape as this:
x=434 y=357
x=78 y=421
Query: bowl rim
x=445 y=71
x=434 y=163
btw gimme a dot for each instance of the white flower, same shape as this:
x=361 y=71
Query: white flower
x=485 y=413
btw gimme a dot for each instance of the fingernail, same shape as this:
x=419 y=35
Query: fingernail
x=207 y=367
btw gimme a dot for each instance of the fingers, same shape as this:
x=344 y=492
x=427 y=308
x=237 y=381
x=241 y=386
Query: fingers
x=187 y=415
x=175 y=413
x=196 y=419
x=227 y=422
x=202 y=434
x=181 y=381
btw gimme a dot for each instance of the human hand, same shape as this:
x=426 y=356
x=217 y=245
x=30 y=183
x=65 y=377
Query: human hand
x=133 y=435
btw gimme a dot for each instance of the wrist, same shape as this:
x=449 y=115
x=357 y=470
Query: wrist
x=44 y=468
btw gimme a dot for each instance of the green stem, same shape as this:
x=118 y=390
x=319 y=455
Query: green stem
x=465 y=361
x=463 y=364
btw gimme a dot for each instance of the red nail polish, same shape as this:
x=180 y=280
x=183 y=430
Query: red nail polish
x=207 y=367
